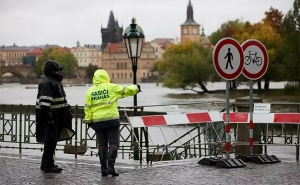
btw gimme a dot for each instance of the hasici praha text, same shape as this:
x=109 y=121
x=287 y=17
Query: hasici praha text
x=98 y=95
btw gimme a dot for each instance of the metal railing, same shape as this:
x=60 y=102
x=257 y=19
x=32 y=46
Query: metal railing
x=17 y=131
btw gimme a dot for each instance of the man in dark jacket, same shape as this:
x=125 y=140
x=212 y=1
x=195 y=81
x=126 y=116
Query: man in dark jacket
x=53 y=116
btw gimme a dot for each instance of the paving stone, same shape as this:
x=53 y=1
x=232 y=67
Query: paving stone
x=25 y=171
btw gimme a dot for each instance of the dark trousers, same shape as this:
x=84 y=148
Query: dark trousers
x=108 y=137
x=47 y=158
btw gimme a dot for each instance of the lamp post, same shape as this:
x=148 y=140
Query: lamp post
x=133 y=37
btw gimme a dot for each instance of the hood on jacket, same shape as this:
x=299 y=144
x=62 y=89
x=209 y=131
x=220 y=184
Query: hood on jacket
x=51 y=66
x=101 y=76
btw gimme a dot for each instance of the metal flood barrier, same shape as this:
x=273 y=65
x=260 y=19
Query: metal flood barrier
x=159 y=130
x=199 y=139
x=17 y=131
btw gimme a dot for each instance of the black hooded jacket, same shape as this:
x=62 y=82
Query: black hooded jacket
x=51 y=102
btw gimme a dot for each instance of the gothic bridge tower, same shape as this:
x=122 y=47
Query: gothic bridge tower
x=113 y=32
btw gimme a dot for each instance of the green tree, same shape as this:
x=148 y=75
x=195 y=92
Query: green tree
x=65 y=59
x=290 y=50
x=90 y=70
x=186 y=66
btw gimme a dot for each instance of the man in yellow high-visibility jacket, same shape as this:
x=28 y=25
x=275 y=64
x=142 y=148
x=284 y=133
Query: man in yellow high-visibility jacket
x=102 y=114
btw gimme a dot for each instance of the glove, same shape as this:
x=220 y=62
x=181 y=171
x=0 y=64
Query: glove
x=139 y=87
x=90 y=125
x=70 y=110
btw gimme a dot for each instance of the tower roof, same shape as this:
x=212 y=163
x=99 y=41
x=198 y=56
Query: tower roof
x=117 y=25
x=190 y=16
x=111 y=20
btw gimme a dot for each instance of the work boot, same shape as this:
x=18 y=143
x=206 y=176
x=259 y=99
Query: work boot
x=103 y=162
x=42 y=167
x=52 y=169
x=111 y=162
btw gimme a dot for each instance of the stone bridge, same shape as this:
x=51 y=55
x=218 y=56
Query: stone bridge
x=26 y=74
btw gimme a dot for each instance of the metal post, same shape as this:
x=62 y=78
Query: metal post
x=76 y=124
x=251 y=119
x=20 y=134
x=135 y=130
x=227 y=121
x=297 y=144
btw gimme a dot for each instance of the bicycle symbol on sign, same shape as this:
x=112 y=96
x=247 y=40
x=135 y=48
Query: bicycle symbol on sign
x=253 y=58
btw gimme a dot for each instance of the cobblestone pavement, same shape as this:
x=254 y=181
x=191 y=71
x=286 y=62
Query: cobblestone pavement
x=15 y=170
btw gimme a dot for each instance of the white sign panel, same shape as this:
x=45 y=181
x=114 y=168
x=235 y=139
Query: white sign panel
x=172 y=109
x=262 y=108
x=256 y=59
x=228 y=58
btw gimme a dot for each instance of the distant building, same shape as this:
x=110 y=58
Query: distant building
x=12 y=55
x=113 y=32
x=117 y=64
x=190 y=30
x=32 y=56
x=37 y=52
x=88 y=54
x=205 y=41
x=163 y=42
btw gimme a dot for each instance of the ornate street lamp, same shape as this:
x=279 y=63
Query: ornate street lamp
x=133 y=37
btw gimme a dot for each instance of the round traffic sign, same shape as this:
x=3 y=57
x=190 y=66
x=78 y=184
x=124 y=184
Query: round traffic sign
x=256 y=59
x=228 y=58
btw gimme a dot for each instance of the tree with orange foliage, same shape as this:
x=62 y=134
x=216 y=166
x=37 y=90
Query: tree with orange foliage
x=266 y=34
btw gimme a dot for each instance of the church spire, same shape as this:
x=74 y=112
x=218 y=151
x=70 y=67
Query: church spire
x=190 y=15
x=111 y=20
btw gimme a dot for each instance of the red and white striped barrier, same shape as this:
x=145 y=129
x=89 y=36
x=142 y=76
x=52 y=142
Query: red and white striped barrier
x=177 y=119
x=214 y=116
x=276 y=118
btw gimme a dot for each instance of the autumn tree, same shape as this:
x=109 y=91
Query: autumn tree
x=63 y=58
x=274 y=18
x=264 y=33
x=227 y=29
x=186 y=66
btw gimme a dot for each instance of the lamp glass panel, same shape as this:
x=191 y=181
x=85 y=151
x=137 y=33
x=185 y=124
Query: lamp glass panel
x=140 y=42
x=133 y=45
x=127 y=43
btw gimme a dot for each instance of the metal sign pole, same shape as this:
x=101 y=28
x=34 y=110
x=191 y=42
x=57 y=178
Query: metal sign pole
x=227 y=122
x=251 y=119
x=228 y=60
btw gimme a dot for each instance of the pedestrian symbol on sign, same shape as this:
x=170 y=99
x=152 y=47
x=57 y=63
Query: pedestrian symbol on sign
x=229 y=57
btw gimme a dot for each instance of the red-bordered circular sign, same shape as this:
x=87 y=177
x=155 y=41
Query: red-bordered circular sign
x=228 y=58
x=256 y=59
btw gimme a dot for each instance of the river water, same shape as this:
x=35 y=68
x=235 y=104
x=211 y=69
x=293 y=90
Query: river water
x=152 y=94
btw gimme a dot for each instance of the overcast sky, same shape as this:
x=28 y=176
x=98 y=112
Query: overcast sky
x=64 y=22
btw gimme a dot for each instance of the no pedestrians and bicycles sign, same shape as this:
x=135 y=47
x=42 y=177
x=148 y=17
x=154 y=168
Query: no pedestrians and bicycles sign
x=228 y=58
x=255 y=58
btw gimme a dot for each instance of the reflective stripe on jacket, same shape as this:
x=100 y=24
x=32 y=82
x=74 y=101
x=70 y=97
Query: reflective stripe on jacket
x=51 y=97
x=101 y=100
